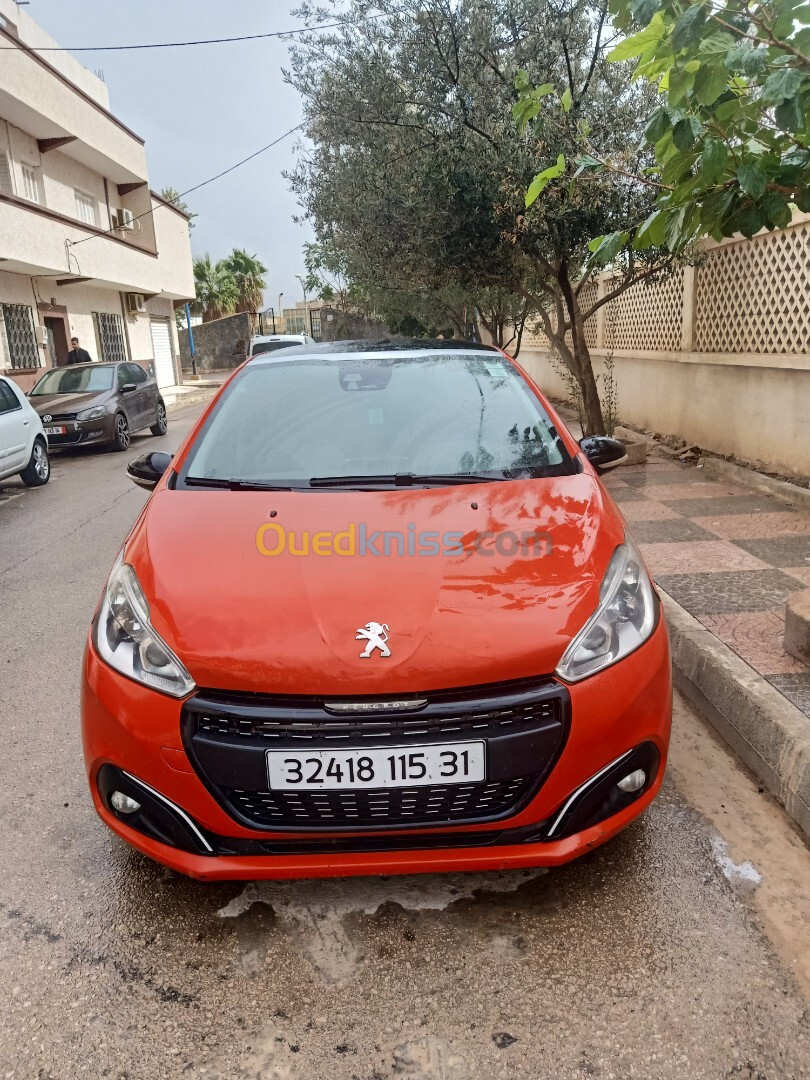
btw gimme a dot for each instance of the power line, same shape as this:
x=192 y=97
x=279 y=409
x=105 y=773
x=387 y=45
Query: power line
x=182 y=44
x=196 y=187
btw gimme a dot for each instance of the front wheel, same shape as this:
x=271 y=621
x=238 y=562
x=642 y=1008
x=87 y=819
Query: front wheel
x=161 y=425
x=121 y=436
x=38 y=470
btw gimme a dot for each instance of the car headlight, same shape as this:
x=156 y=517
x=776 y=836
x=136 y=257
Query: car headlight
x=91 y=414
x=624 y=619
x=125 y=640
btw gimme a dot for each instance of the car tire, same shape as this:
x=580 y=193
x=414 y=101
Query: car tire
x=162 y=424
x=38 y=470
x=121 y=434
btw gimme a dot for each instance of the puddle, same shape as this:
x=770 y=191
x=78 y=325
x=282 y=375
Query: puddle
x=312 y=913
x=744 y=871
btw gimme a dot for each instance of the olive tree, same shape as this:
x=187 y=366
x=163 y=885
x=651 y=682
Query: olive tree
x=426 y=123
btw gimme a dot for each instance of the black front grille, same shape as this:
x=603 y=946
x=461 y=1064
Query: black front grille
x=227 y=736
x=399 y=806
x=332 y=729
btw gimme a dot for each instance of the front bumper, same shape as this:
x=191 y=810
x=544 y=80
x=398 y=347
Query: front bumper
x=132 y=736
x=81 y=433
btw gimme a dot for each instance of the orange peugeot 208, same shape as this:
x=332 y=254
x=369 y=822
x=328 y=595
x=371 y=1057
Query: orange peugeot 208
x=378 y=616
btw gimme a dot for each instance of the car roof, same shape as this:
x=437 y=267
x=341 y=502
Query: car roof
x=92 y=364
x=388 y=346
x=277 y=337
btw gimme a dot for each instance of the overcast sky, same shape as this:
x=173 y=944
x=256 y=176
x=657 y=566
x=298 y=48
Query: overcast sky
x=200 y=109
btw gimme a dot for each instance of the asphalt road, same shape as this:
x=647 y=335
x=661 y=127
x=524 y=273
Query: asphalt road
x=680 y=950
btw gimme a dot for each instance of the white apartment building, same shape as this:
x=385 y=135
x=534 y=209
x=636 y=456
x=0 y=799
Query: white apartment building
x=87 y=249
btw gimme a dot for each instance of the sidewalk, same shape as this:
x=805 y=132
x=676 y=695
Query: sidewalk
x=181 y=395
x=728 y=555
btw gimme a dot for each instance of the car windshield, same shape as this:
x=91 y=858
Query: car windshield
x=271 y=346
x=393 y=417
x=75 y=380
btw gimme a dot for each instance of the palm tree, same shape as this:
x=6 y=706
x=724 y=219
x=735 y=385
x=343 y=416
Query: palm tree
x=248 y=273
x=215 y=287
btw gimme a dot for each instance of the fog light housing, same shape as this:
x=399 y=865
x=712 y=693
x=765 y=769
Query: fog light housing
x=634 y=781
x=123 y=803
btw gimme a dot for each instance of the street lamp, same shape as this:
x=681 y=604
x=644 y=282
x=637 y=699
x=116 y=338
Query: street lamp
x=280 y=312
x=306 y=303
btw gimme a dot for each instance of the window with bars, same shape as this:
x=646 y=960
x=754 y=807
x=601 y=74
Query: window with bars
x=85 y=208
x=18 y=333
x=30 y=181
x=110 y=338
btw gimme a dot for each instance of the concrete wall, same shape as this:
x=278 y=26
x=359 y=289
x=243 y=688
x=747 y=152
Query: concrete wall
x=219 y=345
x=748 y=406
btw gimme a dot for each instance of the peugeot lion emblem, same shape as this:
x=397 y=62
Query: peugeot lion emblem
x=46 y=419
x=375 y=635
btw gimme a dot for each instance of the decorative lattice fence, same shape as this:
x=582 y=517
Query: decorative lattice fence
x=753 y=296
x=647 y=318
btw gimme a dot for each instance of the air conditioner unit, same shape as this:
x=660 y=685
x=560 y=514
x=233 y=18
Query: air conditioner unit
x=136 y=302
x=123 y=219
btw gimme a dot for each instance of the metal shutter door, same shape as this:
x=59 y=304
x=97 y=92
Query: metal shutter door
x=162 y=349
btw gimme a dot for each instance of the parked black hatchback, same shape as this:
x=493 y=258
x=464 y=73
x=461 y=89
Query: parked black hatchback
x=98 y=403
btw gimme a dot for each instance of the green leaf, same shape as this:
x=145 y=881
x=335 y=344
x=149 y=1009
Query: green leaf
x=675 y=228
x=609 y=247
x=710 y=82
x=566 y=101
x=749 y=221
x=595 y=243
x=713 y=159
x=776 y=209
x=586 y=163
x=717 y=43
x=685 y=132
x=751 y=179
x=637 y=43
x=677 y=167
x=803 y=200
x=658 y=125
x=789 y=114
x=653 y=232
x=781 y=85
x=643 y=10
x=688 y=27
x=543 y=178
x=541 y=91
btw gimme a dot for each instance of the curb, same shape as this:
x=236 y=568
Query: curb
x=765 y=730
x=191 y=399
x=790 y=493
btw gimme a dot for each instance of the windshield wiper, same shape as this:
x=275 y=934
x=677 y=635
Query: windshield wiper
x=402 y=480
x=232 y=485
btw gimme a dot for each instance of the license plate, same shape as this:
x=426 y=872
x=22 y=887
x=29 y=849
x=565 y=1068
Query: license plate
x=377 y=767
x=56 y=431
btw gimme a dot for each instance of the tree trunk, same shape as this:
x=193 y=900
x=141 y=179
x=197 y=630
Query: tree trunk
x=591 y=406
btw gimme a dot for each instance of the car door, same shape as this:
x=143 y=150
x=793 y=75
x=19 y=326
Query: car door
x=128 y=400
x=147 y=392
x=15 y=430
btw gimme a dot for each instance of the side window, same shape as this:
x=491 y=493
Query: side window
x=8 y=399
x=136 y=373
x=122 y=376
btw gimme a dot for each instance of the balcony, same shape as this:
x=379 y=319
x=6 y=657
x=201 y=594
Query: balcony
x=39 y=99
x=39 y=242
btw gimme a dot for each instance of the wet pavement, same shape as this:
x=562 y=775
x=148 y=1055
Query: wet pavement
x=729 y=555
x=679 y=950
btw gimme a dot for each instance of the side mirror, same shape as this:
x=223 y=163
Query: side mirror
x=127 y=388
x=602 y=452
x=146 y=471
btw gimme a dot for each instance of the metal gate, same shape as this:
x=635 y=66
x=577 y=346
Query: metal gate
x=162 y=350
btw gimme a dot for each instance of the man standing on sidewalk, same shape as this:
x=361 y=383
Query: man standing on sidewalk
x=77 y=355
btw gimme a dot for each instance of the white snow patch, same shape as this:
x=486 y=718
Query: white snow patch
x=744 y=871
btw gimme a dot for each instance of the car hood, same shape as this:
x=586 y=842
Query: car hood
x=61 y=404
x=242 y=620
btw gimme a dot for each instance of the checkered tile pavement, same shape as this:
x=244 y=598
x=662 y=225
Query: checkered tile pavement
x=729 y=556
